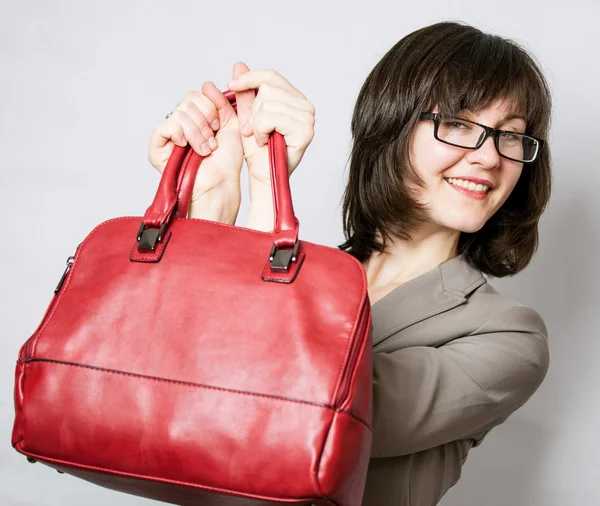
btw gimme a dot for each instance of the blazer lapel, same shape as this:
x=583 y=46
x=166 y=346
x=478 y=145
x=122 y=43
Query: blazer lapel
x=425 y=296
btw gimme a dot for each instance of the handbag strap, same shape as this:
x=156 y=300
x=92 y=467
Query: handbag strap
x=175 y=189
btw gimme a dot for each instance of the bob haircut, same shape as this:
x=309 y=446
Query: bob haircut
x=454 y=67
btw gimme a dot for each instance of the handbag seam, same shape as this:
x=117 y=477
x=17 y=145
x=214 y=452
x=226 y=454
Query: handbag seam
x=180 y=382
x=199 y=385
x=351 y=339
x=330 y=501
x=321 y=456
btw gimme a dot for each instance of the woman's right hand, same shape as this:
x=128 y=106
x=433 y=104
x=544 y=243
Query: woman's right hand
x=216 y=194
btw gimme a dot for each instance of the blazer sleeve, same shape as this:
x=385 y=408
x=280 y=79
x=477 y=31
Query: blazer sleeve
x=424 y=397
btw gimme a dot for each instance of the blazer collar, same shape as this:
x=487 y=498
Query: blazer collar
x=431 y=293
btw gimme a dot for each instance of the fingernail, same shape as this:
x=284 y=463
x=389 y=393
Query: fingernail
x=205 y=149
x=212 y=143
x=232 y=83
x=215 y=125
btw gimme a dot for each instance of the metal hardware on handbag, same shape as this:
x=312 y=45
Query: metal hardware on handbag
x=70 y=261
x=148 y=237
x=280 y=258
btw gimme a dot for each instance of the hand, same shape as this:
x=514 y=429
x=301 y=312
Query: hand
x=216 y=193
x=277 y=106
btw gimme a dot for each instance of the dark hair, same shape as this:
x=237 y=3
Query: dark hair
x=454 y=67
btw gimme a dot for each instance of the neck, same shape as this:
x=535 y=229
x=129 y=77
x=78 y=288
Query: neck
x=405 y=260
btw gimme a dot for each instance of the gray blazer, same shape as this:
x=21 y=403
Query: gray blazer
x=452 y=359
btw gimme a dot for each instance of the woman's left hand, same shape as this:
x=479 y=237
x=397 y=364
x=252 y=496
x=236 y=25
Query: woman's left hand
x=278 y=106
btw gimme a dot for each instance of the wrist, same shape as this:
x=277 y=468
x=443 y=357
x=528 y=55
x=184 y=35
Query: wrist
x=261 y=215
x=220 y=205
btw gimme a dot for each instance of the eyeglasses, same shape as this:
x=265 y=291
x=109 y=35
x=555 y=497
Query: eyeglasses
x=467 y=134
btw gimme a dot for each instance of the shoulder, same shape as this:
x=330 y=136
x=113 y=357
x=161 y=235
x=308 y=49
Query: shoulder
x=500 y=313
x=485 y=309
x=512 y=339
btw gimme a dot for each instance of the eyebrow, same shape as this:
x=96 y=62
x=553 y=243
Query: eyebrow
x=514 y=115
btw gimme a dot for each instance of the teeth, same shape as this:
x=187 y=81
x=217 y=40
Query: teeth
x=468 y=185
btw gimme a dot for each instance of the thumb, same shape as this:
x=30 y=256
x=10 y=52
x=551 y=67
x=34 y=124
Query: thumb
x=244 y=99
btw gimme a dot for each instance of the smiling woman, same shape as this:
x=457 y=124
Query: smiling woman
x=449 y=175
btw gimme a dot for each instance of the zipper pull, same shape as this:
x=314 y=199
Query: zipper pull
x=70 y=261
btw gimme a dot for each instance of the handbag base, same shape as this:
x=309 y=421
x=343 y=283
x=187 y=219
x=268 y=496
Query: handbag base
x=172 y=493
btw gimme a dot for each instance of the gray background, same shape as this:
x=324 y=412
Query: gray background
x=82 y=84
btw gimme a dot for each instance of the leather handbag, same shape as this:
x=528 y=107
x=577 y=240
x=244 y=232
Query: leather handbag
x=193 y=362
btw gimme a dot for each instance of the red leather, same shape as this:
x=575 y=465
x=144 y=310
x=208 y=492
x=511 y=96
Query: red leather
x=181 y=375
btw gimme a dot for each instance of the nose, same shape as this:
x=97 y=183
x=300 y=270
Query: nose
x=485 y=155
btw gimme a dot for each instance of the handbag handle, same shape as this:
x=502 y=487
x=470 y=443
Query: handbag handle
x=175 y=189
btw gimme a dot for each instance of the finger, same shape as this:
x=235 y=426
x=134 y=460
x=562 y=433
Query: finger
x=201 y=117
x=271 y=93
x=244 y=99
x=252 y=79
x=296 y=126
x=191 y=132
x=165 y=133
x=224 y=109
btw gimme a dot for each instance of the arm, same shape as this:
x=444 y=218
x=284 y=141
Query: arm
x=425 y=397
x=261 y=215
x=277 y=106
x=221 y=204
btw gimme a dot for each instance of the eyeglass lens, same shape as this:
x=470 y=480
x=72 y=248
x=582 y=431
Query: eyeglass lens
x=468 y=135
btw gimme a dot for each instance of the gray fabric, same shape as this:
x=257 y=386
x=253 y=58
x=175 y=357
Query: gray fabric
x=452 y=359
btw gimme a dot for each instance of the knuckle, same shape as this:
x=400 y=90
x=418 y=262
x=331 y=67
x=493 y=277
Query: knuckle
x=185 y=106
x=191 y=96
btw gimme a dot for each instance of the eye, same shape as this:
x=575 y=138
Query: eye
x=455 y=124
x=512 y=137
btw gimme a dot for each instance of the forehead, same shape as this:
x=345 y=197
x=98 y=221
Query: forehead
x=499 y=109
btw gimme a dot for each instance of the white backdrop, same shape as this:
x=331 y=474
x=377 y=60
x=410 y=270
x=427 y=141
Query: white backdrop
x=83 y=83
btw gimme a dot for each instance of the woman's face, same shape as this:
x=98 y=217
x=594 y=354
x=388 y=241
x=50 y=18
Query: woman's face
x=446 y=170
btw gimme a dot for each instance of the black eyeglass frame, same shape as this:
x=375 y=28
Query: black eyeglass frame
x=489 y=131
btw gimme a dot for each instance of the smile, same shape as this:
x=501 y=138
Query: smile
x=468 y=188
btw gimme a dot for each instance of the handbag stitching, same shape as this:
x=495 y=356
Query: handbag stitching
x=179 y=382
x=200 y=385
x=344 y=362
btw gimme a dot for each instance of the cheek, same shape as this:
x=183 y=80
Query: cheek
x=511 y=172
x=431 y=158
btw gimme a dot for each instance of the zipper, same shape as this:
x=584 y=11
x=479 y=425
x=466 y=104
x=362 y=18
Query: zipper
x=354 y=353
x=70 y=261
x=25 y=353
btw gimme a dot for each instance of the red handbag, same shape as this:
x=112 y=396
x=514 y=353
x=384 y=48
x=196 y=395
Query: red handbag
x=198 y=363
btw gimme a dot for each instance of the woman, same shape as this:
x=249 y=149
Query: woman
x=448 y=178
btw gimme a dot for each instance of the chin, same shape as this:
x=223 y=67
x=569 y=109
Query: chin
x=466 y=226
